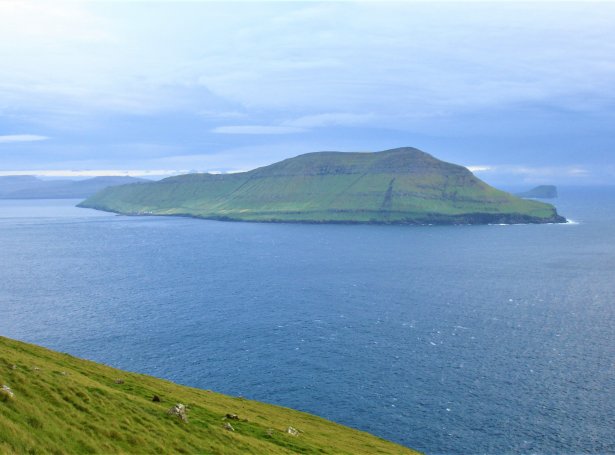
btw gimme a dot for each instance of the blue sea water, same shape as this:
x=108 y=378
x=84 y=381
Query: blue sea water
x=458 y=339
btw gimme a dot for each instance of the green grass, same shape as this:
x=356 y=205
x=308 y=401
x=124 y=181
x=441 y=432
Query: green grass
x=62 y=405
x=395 y=186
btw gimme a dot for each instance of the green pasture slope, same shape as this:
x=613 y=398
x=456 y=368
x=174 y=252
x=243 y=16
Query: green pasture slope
x=58 y=404
x=399 y=186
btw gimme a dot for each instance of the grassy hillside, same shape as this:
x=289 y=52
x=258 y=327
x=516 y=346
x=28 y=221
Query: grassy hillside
x=62 y=404
x=401 y=185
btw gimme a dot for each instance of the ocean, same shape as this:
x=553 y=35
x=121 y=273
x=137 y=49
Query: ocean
x=447 y=339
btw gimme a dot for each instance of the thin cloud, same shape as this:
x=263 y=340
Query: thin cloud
x=257 y=129
x=479 y=168
x=298 y=125
x=10 y=138
x=330 y=119
x=538 y=172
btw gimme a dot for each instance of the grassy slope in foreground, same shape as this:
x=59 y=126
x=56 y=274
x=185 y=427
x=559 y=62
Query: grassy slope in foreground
x=62 y=404
x=401 y=185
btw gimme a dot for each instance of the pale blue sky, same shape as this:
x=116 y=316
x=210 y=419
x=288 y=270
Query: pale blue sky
x=523 y=92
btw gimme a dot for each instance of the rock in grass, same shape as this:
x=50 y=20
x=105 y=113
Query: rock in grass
x=119 y=381
x=179 y=410
x=156 y=399
x=232 y=416
x=292 y=431
x=6 y=392
x=228 y=426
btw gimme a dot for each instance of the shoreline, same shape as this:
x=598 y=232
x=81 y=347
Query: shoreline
x=442 y=221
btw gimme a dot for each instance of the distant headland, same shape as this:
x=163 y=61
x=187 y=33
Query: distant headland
x=398 y=186
x=31 y=187
x=540 y=192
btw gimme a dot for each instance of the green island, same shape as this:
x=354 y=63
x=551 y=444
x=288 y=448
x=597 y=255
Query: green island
x=398 y=186
x=53 y=403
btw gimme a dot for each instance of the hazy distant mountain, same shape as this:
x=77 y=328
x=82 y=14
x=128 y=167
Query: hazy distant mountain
x=540 y=192
x=402 y=185
x=30 y=187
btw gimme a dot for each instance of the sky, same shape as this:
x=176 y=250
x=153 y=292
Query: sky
x=521 y=93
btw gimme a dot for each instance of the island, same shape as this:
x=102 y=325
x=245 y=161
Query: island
x=540 y=192
x=55 y=403
x=398 y=186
